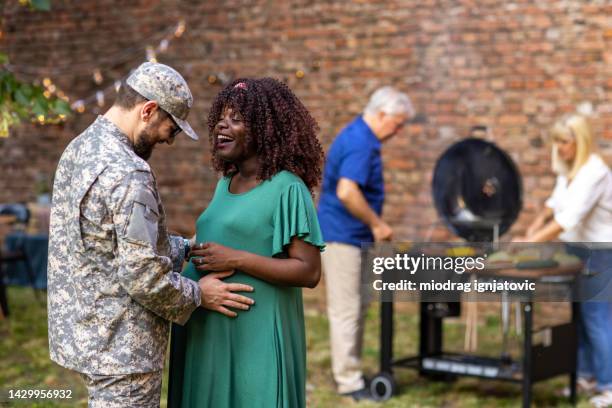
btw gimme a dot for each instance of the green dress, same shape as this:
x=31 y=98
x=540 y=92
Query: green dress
x=257 y=359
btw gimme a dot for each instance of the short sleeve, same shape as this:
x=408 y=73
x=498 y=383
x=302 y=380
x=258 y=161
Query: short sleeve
x=356 y=164
x=585 y=191
x=295 y=216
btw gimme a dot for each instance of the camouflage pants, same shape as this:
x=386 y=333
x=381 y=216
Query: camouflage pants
x=124 y=391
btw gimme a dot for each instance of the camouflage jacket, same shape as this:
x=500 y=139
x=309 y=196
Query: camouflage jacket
x=113 y=284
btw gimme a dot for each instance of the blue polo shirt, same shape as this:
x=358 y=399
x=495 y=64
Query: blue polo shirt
x=354 y=154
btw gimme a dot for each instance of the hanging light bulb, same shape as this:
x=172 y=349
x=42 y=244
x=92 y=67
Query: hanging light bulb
x=97 y=76
x=163 y=45
x=62 y=96
x=100 y=98
x=223 y=77
x=151 y=57
x=180 y=29
x=117 y=85
x=79 y=106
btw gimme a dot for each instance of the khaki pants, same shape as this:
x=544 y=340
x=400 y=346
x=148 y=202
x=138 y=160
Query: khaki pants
x=346 y=307
x=124 y=391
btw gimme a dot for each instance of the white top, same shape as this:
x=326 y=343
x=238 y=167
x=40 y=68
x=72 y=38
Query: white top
x=584 y=207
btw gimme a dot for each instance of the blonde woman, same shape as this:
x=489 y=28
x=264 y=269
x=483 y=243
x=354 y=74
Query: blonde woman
x=580 y=210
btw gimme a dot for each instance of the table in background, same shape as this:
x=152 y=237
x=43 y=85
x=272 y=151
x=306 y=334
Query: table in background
x=35 y=248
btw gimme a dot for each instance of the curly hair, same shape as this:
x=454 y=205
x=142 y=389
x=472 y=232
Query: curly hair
x=278 y=126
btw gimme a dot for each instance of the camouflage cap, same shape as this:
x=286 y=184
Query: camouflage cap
x=164 y=85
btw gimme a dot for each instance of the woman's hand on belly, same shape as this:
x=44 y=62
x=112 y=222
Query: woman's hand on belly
x=302 y=267
x=215 y=257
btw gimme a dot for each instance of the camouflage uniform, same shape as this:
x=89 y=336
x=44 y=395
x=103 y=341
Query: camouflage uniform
x=113 y=272
x=124 y=391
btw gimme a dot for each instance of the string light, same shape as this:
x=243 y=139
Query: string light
x=223 y=77
x=151 y=52
x=163 y=45
x=63 y=96
x=97 y=76
x=100 y=98
x=151 y=56
x=180 y=29
x=78 y=106
x=107 y=62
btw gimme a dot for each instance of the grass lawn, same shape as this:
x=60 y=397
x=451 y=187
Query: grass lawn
x=24 y=361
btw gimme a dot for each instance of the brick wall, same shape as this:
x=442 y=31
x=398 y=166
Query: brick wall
x=511 y=66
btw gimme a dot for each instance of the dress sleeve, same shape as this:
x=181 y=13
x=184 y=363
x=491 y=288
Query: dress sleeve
x=295 y=216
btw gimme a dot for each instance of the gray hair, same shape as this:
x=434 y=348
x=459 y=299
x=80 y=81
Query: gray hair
x=390 y=101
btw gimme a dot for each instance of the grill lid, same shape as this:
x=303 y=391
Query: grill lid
x=477 y=186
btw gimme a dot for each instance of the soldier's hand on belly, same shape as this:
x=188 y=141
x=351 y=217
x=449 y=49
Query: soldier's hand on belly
x=218 y=295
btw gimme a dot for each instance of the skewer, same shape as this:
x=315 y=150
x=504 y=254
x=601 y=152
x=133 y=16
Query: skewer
x=518 y=322
x=471 y=324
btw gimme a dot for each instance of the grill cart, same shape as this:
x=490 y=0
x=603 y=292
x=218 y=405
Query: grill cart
x=477 y=193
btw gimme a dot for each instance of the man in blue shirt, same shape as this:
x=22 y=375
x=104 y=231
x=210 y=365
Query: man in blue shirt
x=350 y=213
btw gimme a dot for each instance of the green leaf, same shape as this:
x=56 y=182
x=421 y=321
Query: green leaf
x=26 y=89
x=42 y=101
x=21 y=111
x=9 y=83
x=39 y=109
x=20 y=97
x=3 y=58
x=62 y=107
x=44 y=5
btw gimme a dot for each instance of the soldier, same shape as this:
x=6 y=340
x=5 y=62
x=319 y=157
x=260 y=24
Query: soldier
x=113 y=280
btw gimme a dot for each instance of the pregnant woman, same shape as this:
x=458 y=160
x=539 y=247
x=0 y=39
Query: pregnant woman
x=262 y=224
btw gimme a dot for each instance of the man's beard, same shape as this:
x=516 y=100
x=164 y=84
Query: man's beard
x=144 y=144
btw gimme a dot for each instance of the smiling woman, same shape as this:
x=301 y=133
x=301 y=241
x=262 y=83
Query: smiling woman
x=230 y=141
x=262 y=224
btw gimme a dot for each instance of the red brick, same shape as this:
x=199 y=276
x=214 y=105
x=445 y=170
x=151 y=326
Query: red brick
x=496 y=68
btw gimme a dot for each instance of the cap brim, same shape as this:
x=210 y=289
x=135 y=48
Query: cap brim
x=185 y=127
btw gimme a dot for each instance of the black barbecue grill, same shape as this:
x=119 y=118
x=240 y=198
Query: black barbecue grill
x=477 y=190
x=478 y=196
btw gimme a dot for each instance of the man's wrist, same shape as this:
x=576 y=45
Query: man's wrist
x=376 y=222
